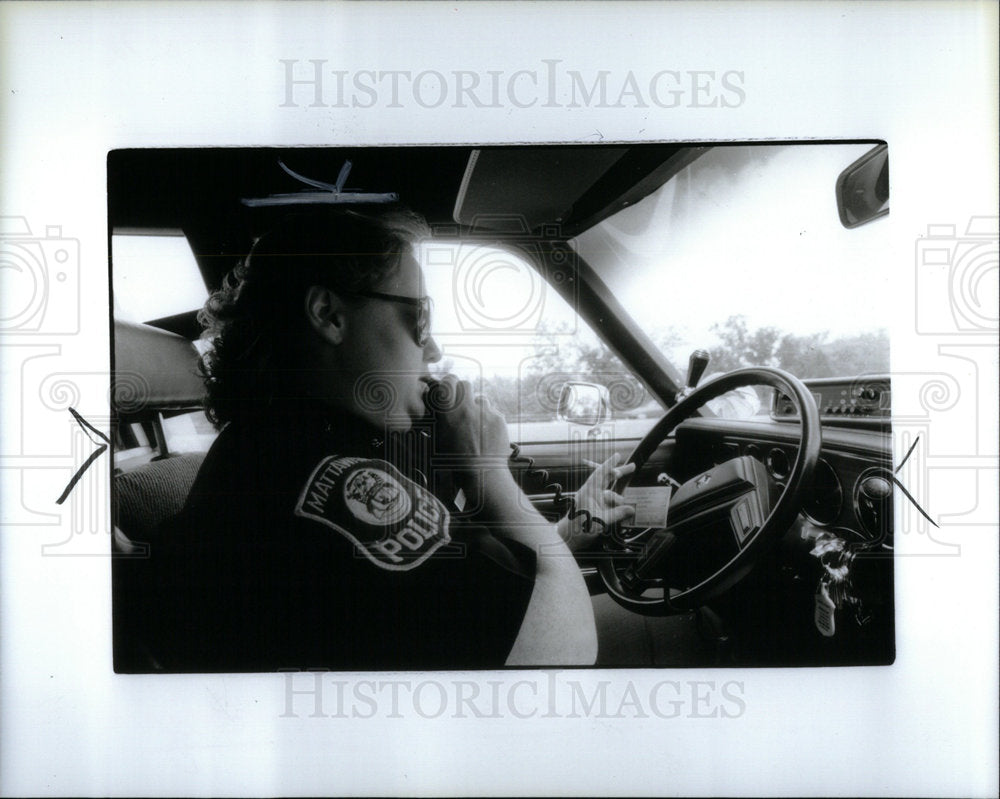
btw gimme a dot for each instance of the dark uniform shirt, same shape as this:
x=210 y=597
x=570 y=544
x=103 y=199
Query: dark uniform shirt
x=302 y=546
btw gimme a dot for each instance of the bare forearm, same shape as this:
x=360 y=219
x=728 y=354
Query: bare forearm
x=508 y=512
x=558 y=626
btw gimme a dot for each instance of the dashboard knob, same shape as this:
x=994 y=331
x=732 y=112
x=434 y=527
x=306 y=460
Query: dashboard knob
x=874 y=505
x=876 y=488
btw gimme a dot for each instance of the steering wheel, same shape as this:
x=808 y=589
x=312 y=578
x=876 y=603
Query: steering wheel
x=720 y=522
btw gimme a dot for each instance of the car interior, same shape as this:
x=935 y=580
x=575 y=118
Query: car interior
x=774 y=540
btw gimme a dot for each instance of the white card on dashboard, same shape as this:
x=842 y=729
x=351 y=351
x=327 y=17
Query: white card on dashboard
x=650 y=503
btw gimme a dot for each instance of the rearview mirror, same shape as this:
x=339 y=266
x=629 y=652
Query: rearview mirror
x=584 y=403
x=863 y=188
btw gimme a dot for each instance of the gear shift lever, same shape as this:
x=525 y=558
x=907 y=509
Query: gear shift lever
x=697 y=364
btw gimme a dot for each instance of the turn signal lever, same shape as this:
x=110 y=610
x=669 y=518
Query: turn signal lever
x=697 y=364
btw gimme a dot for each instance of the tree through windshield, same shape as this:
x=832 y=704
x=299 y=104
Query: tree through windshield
x=741 y=253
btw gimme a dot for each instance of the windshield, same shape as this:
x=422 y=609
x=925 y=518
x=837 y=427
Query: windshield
x=742 y=253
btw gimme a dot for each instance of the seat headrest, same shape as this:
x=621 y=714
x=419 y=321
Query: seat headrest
x=154 y=370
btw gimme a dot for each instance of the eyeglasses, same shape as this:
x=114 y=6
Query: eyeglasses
x=422 y=330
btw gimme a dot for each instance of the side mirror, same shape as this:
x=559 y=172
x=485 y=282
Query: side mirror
x=863 y=188
x=584 y=403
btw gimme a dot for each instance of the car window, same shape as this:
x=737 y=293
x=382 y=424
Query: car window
x=190 y=431
x=184 y=432
x=507 y=330
x=162 y=260
x=155 y=275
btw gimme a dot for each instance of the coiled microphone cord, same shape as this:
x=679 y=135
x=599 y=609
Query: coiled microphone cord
x=562 y=501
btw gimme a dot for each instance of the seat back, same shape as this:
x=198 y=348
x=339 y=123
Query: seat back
x=154 y=492
x=145 y=498
x=156 y=373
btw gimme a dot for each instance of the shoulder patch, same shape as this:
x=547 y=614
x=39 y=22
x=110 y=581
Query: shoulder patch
x=391 y=520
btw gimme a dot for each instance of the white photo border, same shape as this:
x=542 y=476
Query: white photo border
x=83 y=79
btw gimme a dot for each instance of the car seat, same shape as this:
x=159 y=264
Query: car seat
x=154 y=372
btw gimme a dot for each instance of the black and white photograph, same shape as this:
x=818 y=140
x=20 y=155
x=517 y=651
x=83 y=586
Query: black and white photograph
x=483 y=398
x=434 y=407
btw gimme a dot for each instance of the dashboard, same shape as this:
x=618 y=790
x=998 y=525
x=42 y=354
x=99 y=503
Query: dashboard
x=848 y=509
x=845 y=522
x=852 y=486
x=861 y=402
x=852 y=489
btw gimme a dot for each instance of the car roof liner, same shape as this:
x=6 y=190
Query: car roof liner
x=559 y=190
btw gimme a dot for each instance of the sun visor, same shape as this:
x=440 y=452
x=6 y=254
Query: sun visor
x=517 y=189
x=154 y=370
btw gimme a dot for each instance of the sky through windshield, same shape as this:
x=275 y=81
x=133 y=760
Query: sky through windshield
x=746 y=230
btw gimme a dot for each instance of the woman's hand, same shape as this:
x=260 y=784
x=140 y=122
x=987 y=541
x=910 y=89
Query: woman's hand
x=471 y=436
x=599 y=501
x=466 y=427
